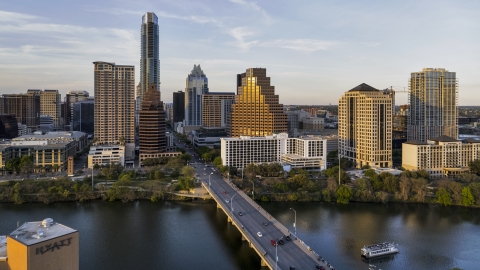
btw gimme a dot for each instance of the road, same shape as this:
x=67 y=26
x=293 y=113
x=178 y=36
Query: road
x=289 y=254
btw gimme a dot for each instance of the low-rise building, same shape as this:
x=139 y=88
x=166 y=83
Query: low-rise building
x=105 y=155
x=47 y=156
x=441 y=156
x=307 y=152
x=79 y=138
x=208 y=137
x=40 y=245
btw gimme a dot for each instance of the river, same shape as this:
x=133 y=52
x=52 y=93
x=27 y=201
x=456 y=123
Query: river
x=184 y=235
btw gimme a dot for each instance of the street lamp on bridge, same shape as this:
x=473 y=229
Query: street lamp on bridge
x=231 y=202
x=209 y=179
x=253 y=184
x=295 y=222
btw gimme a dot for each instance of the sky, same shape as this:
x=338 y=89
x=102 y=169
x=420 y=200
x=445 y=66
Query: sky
x=313 y=50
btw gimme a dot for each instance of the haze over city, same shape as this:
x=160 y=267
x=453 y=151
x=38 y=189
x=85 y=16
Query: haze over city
x=313 y=50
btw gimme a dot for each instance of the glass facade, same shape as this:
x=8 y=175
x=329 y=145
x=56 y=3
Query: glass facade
x=83 y=117
x=149 y=60
x=257 y=111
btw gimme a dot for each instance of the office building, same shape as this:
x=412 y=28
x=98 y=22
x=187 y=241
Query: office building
x=40 y=245
x=71 y=98
x=441 y=157
x=115 y=105
x=25 y=108
x=106 y=155
x=8 y=126
x=48 y=156
x=257 y=111
x=50 y=104
x=308 y=152
x=433 y=104
x=149 y=59
x=152 y=124
x=214 y=109
x=83 y=116
x=178 y=106
x=196 y=86
x=365 y=126
x=313 y=123
x=168 y=108
x=46 y=123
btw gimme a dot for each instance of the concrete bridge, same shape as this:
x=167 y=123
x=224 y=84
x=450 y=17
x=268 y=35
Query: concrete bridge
x=252 y=221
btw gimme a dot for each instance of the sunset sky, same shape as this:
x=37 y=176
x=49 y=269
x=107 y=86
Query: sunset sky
x=314 y=50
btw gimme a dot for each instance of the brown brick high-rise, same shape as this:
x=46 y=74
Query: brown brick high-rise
x=257 y=111
x=152 y=123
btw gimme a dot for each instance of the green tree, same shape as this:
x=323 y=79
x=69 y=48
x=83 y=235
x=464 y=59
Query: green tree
x=456 y=189
x=475 y=166
x=467 y=197
x=420 y=188
x=158 y=175
x=207 y=157
x=26 y=165
x=188 y=171
x=326 y=195
x=185 y=183
x=13 y=165
x=443 y=197
x=405 y=186
x=390 y=182
x=17 y=196
x=343 y=194
x=217 y=162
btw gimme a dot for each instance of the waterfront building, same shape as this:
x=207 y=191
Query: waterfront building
x=257 y=111
x=196 y=86
x=40 y=245
x=178 y=106
x=433 y=104
x=8 y=126
x=47 y=156
x=441 y=156
x=106 y=155
x=214 y=109
x=307 y=152
x=25 y=108
x=71 y=98
x=149 y=57
x=152 y=125
x=115 y=105
x=365 y=126
x=80 y=139
x=83 y=116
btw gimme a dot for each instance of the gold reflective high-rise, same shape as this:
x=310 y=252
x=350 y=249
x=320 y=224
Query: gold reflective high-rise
x=257 y=111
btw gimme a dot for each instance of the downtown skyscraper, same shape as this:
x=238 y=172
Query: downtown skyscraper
x=365 y=126
x=433 y=104
x=152 y=125
x=149 y=58
x=257 y=111
x=196 y=86
x=114 y=87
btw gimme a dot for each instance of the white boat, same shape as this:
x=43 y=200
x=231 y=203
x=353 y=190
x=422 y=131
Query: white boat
x=380 y=249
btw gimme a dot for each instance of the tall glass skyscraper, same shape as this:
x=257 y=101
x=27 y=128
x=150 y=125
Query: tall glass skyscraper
x=149 y=59
x=196 y=86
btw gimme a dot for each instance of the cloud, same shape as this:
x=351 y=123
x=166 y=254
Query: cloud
x=6 y=16
x=117 y=11
x=240 y=33
x=252 y=5
x=196 y=19
x=307 y=45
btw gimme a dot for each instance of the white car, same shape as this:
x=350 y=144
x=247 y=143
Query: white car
x=259 y=234
x=227 y=201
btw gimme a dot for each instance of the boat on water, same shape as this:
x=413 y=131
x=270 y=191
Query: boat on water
x=379 y=249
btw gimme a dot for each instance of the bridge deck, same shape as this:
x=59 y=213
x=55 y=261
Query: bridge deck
x=293 y=253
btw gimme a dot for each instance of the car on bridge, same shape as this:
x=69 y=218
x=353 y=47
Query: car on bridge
x=273 y=242
x=265 y=223
x=259 y=234
x=318 y=266
x=240 y=213
x=227 y=201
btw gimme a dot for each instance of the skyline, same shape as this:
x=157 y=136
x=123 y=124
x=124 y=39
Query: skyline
x=314 y=52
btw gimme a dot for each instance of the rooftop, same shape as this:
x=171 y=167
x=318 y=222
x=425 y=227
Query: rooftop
x=443 y=138
x=363 y=87
x=31 y=233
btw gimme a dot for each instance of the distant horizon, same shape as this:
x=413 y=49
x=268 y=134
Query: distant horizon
x=313 y=52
